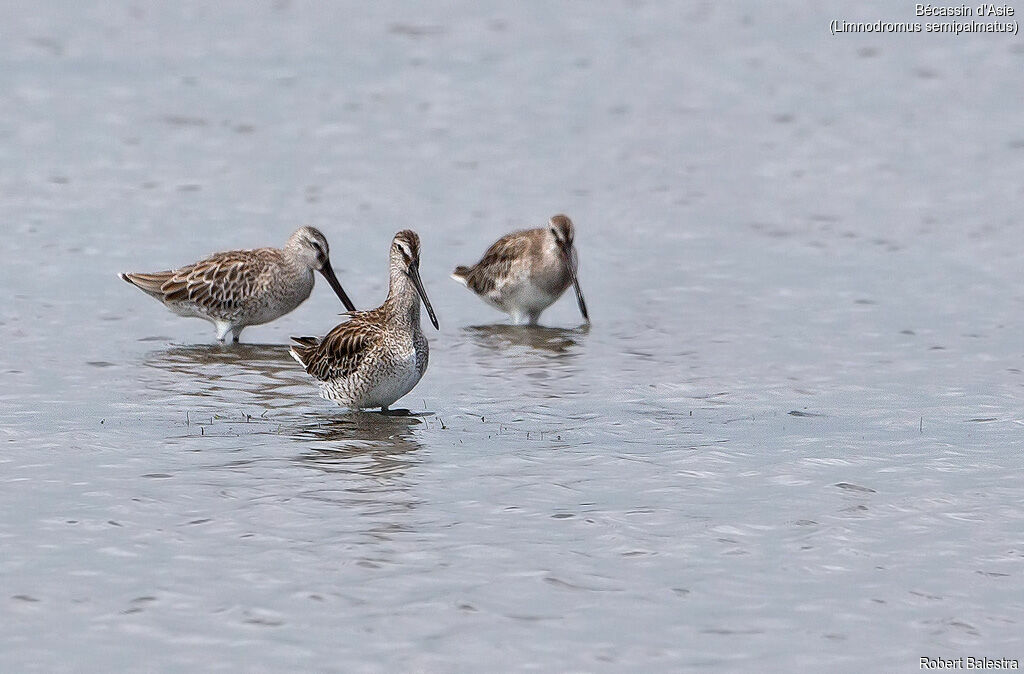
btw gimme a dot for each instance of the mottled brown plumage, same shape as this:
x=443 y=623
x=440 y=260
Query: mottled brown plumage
x=221 y=283
x=498 y=260
x=376 y=356
x=341 y=351
x=238 y=288
x=524 y=272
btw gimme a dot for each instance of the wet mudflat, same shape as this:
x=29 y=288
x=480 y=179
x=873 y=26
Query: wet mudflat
x=790 y=439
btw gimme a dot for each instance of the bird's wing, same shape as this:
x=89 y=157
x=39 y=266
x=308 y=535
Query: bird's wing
x=497 y=261
x=342 y=350
x=222 y=281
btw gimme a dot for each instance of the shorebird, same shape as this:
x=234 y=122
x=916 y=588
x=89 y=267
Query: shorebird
x=237 y=288
x=377 y=356
x=524 y=272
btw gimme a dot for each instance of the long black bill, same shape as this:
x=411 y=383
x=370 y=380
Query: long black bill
x=328 y=273
x=414 y=274
x=567 y=255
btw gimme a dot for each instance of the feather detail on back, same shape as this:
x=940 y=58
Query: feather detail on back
x=343 y=349
x=495 y=263
x=219 y=283
x=303 y=349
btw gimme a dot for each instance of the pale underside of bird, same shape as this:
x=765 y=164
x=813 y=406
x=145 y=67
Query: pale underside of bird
x=238 y=288
x=524 y=272
x=377 y=356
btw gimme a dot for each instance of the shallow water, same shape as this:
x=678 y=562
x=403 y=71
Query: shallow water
x=791 y=438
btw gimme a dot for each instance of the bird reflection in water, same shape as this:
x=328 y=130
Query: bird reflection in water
x=367 y=443
x=211 y=370
x=501 y=336
x=360 y=463
x=543 y=356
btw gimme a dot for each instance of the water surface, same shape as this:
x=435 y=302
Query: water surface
x=791 y=438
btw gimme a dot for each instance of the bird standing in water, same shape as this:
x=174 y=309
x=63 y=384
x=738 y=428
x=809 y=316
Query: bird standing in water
x=377 y=356
x=238 y=288
x=524 y=272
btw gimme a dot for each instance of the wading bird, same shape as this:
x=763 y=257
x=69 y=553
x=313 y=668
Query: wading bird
x=237 y=288
x=524 y=272
x=376 y=356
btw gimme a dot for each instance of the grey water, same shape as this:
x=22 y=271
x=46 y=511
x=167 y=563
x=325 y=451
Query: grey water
x=791 y=439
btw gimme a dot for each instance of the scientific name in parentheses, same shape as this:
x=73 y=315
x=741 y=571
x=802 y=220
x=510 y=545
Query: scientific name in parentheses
x=922 y=9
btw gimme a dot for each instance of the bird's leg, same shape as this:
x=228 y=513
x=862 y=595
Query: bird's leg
x=222 y=330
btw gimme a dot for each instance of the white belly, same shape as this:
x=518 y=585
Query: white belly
x=400 y=381
x=386 y=393
x=523 y=301
x=530 y=297
x=378 y=385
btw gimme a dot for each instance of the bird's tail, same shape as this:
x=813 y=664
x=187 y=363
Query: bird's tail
x=148 y=283
x=461 y=274
x=303 y=348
